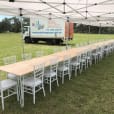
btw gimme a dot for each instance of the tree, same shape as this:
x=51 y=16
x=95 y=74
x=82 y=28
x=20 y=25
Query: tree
x=80 y=28
x=11 y=25
x=15 y=25
x=5 y=25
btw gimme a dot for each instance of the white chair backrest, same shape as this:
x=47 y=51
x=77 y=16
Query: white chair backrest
x=94 y=50
x=84 y=55
x=85 y=43
x=78 y=58
x=66 y=61
x=9 y=60
x=63 y=49
x=56 y=50
x=39 y=53
x=77 y=45
x=69 y=47
x=89 y=53
x=39 y=72
x=26 y=56
x=53 y=64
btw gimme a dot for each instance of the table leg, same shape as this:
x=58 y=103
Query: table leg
x=21 y=79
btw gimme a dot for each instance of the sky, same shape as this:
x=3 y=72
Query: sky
x=4 y=16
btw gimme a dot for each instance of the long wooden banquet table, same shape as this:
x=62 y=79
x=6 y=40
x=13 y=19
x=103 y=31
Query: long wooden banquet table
x=20 y=69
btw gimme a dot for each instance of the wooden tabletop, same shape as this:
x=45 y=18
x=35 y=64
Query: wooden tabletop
x=24 y=67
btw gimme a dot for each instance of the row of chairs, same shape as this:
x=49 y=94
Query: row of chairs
x=41 y=75
x=89 y=42
x=81 y=44
x=32 y=84
x=25 y=56
x=10 y=84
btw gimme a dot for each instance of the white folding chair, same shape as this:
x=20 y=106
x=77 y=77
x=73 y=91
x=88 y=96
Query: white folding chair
x=89 y=58
x=34 y=84
x=10 y=60
x=63 y=49
x=8 y=88
x=107 y=50
x=83 y=61
x=26 y=56
x=77 y=45
x=75 y=64
x=56 y=50
x=39 y=53
x=95 y=55
x=64 y=68
x=69 y=47
x=51 y=73
x=111 y=48
x=100 y=53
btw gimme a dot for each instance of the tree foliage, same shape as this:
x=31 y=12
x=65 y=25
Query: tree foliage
x=16 y=25
x=13 y=25
x=80 y=28
x=10 y=25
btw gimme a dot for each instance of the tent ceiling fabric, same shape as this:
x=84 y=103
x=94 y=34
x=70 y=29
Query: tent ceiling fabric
x=90 y=12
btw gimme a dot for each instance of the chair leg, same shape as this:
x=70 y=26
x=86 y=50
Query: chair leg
x=43 y=90
x=71 y=69
x=87 y=63
x=69 y=74
x=76 y=71
x=2 y=99
x=34 y=95
x=81 y=68
x=50 y=84
x=63 y=77
x=90 y=62
x=57 y=80
x=18 y=84
x=17 y=93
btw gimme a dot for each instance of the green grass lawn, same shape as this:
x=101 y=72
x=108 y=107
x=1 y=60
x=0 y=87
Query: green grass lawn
x=92 y=92
x=12 y=44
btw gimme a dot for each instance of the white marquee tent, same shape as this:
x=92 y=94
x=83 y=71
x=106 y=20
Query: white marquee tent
x=90 y=12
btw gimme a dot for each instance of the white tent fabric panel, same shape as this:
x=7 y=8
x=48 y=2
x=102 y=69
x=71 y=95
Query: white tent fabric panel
x=79 y=11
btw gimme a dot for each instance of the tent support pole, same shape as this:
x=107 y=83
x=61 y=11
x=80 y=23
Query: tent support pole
x=89 y=29
x=68 y=34
x=21 y=21
x=100 y=29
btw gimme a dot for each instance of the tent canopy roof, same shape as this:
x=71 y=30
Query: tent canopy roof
x=90 y=12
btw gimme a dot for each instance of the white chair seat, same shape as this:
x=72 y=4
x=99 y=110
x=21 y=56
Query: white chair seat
x=11 y=76
x=75 y=63
x=83 y=60
x=61 y=68
x=99 y=52
x=95 y=54
x=88 y=58
x=30 y=82
x=48 y=74
x=5 y=84
x=34 y=83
